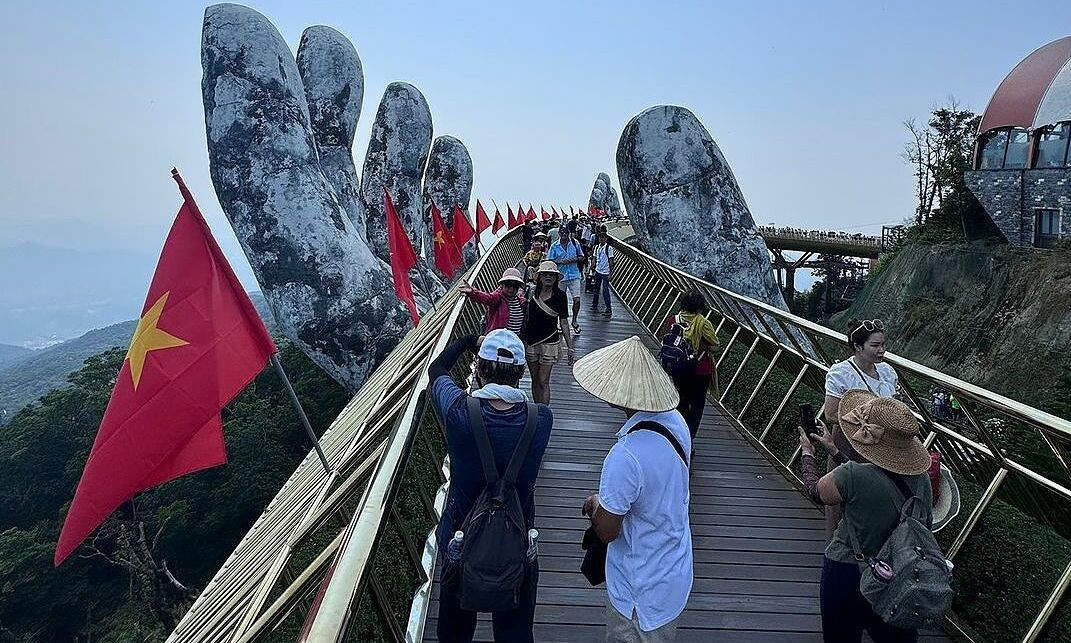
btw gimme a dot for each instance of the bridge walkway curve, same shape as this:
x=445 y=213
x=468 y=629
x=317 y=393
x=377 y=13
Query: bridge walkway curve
x=757 y=541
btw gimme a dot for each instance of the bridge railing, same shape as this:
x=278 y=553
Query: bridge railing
x=338 y=556
x=1010 y=460
x=863 y=240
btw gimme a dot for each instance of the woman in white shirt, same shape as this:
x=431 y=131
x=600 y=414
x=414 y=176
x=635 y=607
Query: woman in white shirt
x=865 y=370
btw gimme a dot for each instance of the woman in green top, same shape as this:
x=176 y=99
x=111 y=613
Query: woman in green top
x=886 y=434
x=701 y=338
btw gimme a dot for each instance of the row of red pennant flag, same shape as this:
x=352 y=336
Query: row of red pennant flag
x=447 y=253
x=198 y=343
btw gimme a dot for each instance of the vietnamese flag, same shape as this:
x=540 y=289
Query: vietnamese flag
x=198 y=343
x=447 y=254
x=462 y=231
x=512 y=220
x=544 y=214
x=482 y=222
x=499 y=223
x=531 y=213
x=553 y=213
x=402 y=257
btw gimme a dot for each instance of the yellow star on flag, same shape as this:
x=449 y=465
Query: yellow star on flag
x=148 y=338
x=439 y=238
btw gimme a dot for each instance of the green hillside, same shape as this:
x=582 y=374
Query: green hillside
x=31 y=374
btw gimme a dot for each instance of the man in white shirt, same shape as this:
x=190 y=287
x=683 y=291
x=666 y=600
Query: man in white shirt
x=641 y=509
x=603 y=256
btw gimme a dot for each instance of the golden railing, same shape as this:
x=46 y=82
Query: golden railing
x=338 y=556
x=772 y=360
x=348 y=555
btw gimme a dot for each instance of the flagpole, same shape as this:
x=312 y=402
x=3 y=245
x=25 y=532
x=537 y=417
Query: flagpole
x=300 y=411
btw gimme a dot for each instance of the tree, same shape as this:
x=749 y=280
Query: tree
x=140 y=570
x=940 y=152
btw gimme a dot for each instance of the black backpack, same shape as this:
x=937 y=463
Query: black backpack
x=494 y=552
x=676 y=354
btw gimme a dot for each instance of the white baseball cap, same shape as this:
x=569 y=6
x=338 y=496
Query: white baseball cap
x=502 y=345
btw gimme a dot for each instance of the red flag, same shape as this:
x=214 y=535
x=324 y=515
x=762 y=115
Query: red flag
x=570 y=210
x=531 y=213
x=482 y=222
x=544 y=214
x=462 y=231
x=198 y=343
x=512 y=220
x=447 y=255
x=553 y=213
x=402 y=258
x=499 y=223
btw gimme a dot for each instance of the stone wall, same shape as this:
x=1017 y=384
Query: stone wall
x=1010 y=197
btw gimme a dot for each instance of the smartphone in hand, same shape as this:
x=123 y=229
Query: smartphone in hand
x=807 y=418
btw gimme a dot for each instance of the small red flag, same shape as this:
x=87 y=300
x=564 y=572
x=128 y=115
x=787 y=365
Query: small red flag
x=512 y=220
x=571 y=211
x=544 y=214
x=499 y=223
x=553 y=213
x=447 y=254
x=462 y=231
x=402 y=258
x=198 y=343
x=531 y=213
x=482 y=222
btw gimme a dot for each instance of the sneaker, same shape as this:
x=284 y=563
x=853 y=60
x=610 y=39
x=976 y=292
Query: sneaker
x=576 y=329
x=607 y=314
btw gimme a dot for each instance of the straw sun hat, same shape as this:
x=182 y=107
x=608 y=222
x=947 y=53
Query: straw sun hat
x=625 y=374
x=512 y=275
x=884 y=431
x=549 y=266
x=947 y=506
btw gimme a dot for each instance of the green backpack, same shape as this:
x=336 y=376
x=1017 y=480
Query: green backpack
x=909 y=583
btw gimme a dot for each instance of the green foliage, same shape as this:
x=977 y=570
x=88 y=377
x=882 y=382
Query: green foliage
x=939 y=153
x=200 y=517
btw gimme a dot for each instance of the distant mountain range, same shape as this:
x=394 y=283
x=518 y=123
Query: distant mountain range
x=25 y=374
x=48 y=295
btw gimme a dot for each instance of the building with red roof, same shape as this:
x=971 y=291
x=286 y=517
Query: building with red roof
x=1022 y=174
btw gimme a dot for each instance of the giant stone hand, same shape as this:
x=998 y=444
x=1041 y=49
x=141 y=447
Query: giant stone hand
x=686 y=207
x=279 y=137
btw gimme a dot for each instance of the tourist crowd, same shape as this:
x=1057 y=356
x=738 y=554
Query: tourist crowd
x=880 y=476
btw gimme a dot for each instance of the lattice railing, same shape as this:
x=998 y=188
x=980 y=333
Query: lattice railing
x=1010 y=459
x=339 y=556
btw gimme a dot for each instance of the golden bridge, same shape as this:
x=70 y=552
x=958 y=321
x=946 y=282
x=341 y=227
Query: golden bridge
x=349 y=556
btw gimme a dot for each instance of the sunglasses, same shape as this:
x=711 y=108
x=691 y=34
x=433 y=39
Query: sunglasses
x=871 y=325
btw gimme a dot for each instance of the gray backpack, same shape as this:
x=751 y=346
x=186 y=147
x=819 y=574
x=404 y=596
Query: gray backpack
x=909 y=583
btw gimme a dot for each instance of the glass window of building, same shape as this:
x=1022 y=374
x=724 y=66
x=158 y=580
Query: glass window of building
x=1018 y=149
x=1052 y=146
x=1047 y=226
x=993 y=150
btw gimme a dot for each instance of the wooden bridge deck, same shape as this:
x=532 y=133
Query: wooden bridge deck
x=757 y=541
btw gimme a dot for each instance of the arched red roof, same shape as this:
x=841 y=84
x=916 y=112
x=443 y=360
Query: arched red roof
x=1018 y=99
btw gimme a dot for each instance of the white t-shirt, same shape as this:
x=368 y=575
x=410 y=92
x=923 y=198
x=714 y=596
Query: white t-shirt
x=602 y=258
x=649 y=566
x=843 y=377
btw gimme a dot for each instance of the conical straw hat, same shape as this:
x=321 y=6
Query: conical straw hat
x=625 y=374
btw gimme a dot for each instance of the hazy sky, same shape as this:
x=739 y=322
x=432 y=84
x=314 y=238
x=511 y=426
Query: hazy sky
x=805 y=99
